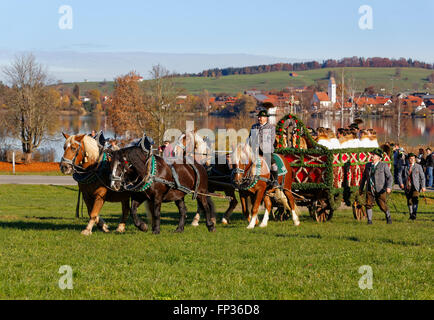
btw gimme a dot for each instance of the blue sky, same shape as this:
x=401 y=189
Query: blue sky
x=308 y=29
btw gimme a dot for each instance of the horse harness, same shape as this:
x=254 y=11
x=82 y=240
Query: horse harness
x=147 y=180
x=252 y=180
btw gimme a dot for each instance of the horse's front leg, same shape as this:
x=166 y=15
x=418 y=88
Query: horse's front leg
x=196 y=218
x=210 y=216
x=268 y=208
x=95 y=218
x=139 y=223
x=125 y=213
x=232 y=206
x=258 y=199
x=182 y=214
x=155 y=207
x=291 y=201
x=244 y=209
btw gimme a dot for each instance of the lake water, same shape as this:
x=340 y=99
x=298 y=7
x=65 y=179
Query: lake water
x=412 y=132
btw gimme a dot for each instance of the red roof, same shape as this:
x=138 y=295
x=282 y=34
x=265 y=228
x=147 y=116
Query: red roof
x=364 y=100
x=322 y=96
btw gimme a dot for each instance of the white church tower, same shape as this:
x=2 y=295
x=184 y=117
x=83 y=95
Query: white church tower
x=332 y=90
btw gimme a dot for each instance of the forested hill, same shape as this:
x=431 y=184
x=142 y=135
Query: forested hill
x=375 y=62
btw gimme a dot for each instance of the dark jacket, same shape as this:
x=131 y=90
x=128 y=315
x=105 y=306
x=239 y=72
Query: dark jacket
x=383 y=177
x=417 y=177
x=262 y=137
x=430 y=160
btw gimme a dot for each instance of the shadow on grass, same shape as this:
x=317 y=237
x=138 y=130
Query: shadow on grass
x=27 y=225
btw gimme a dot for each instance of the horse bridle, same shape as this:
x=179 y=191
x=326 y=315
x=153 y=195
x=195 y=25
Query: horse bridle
x=238 y=170
x=120 y=178
x=71 y=162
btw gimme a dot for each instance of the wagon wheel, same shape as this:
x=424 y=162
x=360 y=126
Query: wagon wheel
x=359 y=211
x=321 y=211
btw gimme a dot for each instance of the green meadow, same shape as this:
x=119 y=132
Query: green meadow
x=39 y=233
x=411 y=79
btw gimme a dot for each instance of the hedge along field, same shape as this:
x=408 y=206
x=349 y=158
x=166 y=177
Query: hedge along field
x=39 y=233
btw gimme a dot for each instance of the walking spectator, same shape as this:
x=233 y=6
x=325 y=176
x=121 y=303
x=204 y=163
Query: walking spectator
x=429 y=164
x=402 y=162
x=421 y=157
x=413 y=182
x=379 y=182
x=396 y=163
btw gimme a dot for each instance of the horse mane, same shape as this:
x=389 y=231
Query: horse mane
x=134 y=155
x=89 y=143
x=242 y=153
x=91 y=147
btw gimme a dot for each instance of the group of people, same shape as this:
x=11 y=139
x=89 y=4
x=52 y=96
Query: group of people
x=350 y=137
x=425 y=158
x=413 y=173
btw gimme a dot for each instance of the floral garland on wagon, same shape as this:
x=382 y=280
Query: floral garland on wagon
x=335 y=195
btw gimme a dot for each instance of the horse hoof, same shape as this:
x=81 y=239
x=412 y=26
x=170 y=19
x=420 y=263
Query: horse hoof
x=105 y=229
x=262 y=225
x=212 y=230
x=178 y=230
x=143 y=227
x=120 y=228
x=250 y=227
x=156 y=232
x=224 y=221
x=86 y=232
x=195 y=223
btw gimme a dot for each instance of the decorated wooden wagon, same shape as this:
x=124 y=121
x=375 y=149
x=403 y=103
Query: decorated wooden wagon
x=323 y=178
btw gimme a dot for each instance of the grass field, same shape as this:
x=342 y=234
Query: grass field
x=363 y=77
x=38 y=234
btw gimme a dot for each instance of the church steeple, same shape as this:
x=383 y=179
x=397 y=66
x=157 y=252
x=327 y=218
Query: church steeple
x=332 y=90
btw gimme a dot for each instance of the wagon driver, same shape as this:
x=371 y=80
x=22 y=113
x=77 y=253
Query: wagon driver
x=261 y=138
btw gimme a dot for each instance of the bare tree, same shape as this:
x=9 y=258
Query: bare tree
x=29 y=102
x=159 y=96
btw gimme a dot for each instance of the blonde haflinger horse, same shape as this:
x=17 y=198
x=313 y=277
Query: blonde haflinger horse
x=91 y=170
x=251 y=175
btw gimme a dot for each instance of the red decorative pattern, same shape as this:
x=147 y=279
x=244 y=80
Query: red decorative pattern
x=293 y=158
x=345 y=157
x=338 y=177
x=315 y=159
x=302 y=176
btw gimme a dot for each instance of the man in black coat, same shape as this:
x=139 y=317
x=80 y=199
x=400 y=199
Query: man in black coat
x=379 y=181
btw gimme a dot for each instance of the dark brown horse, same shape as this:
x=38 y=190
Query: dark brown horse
x=81 y=153
x=251 y=175
x=149 y=178
x=219 y=171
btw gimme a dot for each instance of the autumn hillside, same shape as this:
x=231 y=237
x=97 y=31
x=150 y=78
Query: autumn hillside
x=409 y=79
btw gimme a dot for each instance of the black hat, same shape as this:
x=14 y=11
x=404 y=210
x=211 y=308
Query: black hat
x=411 y=154
x=378 y=152
x=263 y=113
x=354 y=125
